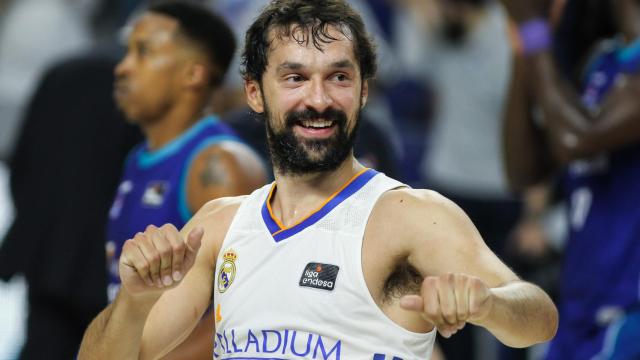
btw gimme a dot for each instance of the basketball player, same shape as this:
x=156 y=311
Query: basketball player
x=333 y=260
x=594 y=139
x=178 y=53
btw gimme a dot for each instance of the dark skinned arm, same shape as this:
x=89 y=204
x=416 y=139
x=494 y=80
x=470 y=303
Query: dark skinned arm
x=226 y=169
x=526 y=156
x=574 y=132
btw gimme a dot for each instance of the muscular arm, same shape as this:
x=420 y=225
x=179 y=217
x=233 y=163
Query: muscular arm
x=225 y=169
x=116 y=333
x=445 y=247
x=573 y=131
x=147 y=325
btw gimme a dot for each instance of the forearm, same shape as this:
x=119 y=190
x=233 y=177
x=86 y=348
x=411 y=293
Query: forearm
x=577 y=133
x=116 y=333
x=521 y=315
x=565 y=119
x=525 y=156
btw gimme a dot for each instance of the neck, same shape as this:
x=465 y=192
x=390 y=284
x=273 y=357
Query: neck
x=628 y=18
x=631 y=35
x=171 y=125
x=297 y=196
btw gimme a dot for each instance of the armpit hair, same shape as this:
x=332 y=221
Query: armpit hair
x=404 y=280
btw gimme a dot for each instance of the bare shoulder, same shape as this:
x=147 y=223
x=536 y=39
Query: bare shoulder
x=435 y=235
x=413 y=207
x=215 y=218
x=218 y=212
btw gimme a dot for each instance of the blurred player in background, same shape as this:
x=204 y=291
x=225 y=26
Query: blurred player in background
x=178 y=52
x=590 y=139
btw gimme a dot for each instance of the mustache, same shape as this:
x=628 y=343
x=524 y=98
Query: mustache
x=331 y=114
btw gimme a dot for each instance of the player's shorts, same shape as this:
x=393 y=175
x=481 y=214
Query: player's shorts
x=618 y=341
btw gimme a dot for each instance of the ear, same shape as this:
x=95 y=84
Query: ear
x=197 y=75
x=254 y=95
x=364 y=95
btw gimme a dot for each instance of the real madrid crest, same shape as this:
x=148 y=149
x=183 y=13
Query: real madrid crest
x=227 y=270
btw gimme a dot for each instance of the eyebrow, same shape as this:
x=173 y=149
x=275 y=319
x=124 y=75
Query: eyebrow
x=288 y=65
x=343 y=64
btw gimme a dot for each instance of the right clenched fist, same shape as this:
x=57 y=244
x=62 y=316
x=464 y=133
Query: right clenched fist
x=158 y=258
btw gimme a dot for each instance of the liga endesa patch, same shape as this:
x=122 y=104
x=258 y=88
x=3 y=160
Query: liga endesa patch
x=319 y=276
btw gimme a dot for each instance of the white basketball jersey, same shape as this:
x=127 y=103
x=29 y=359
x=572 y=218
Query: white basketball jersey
x=298 y=292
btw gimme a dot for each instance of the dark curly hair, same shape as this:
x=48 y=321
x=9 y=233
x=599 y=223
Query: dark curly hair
x=314 y=17
x=205 y=28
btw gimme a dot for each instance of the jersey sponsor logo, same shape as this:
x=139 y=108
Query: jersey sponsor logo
x=227 y=272
x=124 y=188
x=154 y=193
x=319 y=276
x=291 y=344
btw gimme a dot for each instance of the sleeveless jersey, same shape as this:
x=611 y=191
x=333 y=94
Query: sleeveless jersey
x=153 y=187
x=600 y=279
x=299 y=292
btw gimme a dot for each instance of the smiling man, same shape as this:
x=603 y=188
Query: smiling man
x=332 y=260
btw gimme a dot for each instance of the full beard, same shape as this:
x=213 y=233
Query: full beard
x=291 y=155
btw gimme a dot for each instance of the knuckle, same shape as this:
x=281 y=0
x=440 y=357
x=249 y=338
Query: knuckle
x=450 y=319
x=432 y=312
x=430 y=282
x=154 y=260
x=177 y=248
x=476 y=284
x=165 y=251
x=143 y=267
x=448 y=311
x=128 y=244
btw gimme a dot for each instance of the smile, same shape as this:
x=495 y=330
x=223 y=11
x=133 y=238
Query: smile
x=316 y=124
x=317 y=128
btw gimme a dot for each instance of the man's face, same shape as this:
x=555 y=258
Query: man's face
x=147 y=78
x=311 y=101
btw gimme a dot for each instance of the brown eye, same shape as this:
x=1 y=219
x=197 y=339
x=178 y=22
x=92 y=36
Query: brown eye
x=340 y=77
x=294 y=78
x=142 y=50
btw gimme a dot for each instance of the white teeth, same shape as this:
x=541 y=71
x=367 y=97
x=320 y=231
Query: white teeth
x=317 y=123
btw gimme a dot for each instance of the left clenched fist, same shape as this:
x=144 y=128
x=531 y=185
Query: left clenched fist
x=450 y=301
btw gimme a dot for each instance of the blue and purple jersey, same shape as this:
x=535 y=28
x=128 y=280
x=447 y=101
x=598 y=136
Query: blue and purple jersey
x=153 y=187
x=600 y=280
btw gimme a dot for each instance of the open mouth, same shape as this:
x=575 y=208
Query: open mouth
x=316 y=124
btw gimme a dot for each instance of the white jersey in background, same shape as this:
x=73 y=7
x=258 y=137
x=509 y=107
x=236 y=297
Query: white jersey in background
x=299 y=292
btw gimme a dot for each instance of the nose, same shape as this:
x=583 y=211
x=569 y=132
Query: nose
x=123 y=67
x=317 y=96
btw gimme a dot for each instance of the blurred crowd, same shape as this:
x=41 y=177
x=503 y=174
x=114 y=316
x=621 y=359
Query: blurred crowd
x=535 y=135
